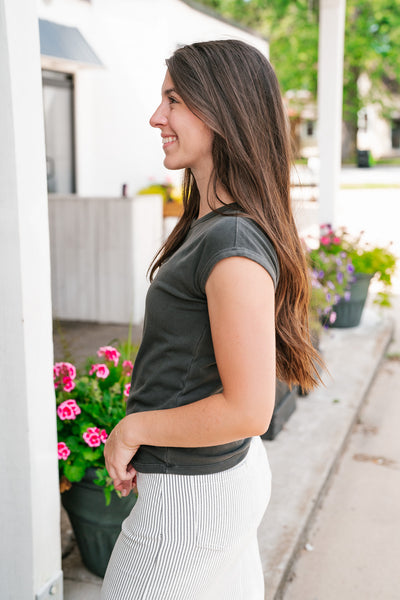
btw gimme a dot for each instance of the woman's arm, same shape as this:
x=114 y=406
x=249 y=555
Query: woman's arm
x=240 y=297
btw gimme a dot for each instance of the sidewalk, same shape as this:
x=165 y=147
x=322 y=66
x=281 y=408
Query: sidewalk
x=303 y=457
x=353 y=545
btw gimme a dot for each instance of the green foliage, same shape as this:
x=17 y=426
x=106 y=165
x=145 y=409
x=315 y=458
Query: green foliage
x=169 y=192
x=365 y=258
x=330 y=275
x=372 y=44
x=89 y=406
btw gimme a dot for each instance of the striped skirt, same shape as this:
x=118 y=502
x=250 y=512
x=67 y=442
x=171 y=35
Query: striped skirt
x=193 y=537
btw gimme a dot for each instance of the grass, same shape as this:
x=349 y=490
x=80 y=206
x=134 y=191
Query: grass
x=394 y=160
x=369 y=186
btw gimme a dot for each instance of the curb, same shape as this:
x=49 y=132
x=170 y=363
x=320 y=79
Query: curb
x=306 y=454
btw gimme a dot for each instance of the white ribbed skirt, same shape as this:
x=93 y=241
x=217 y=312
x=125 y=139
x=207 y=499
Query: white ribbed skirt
x=193 y=537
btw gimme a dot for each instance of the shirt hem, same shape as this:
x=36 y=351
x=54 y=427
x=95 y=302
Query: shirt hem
x=204 y=469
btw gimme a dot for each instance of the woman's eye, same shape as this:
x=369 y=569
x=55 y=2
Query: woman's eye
x=172 y=100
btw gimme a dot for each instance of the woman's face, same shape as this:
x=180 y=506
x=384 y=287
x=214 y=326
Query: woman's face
x=186 y=140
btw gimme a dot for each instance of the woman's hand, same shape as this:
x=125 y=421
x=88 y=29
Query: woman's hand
x=118 y=455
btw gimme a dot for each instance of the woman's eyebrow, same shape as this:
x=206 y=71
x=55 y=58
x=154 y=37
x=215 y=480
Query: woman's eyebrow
x=169 y=91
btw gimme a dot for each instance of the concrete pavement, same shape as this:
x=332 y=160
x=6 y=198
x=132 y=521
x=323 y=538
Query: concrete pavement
x=354 y=543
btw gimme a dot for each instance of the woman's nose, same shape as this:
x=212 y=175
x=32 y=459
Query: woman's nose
x=158 y=119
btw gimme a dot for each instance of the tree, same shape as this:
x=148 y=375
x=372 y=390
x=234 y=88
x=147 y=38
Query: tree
x=372 y=46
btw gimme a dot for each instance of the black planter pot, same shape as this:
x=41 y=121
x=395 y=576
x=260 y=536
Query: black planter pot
x=96 y=526
x=285 y=405
x=348 y=312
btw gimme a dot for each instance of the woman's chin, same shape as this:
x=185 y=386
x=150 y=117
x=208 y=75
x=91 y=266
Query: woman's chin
x=172 y=165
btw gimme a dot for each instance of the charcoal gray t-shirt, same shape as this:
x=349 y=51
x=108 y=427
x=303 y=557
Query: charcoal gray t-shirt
x=175 y=364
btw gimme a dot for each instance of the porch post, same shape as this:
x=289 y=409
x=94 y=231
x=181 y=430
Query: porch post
x=30 y=555
x=330 y=99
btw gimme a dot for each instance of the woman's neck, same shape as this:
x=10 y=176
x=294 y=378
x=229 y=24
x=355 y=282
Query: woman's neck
x=208 y=199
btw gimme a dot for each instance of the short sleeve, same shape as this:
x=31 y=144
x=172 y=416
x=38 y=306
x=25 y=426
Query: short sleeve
x=237 y=236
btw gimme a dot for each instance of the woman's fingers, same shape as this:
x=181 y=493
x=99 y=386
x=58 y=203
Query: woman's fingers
x=123 y=486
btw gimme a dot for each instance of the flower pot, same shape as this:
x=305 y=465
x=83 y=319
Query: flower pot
x=96 y=526
x=285 y=405
x=348 y=312
x=172 y=209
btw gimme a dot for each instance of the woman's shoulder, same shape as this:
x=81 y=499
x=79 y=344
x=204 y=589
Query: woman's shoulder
x=237 y=229
x=238 y=235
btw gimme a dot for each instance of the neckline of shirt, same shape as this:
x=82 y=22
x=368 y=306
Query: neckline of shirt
x=216 y=212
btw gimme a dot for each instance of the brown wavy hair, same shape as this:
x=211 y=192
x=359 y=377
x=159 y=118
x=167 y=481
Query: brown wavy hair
x=232 y=87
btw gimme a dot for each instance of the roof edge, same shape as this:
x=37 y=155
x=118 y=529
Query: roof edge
x=207 y=10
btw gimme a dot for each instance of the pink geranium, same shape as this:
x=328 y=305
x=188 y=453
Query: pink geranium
x=101 y=370
x=68 y=383
x=325 y=240
x=127 y=389
x=110 y=353
x=68 y=410
x=127 y=366
x=63 y=451
x=64 y=372
x=65 y=368
x=94 y=437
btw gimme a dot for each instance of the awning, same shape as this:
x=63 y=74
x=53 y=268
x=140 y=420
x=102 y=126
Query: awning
x=66 y=43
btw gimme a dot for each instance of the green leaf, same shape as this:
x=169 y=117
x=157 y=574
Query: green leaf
x=107 y=494
x=91 y=454
x=74 y=472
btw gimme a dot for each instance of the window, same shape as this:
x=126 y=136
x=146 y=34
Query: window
x=58 y=101
x=363 y=120
x=310 y=128
x=396 y=134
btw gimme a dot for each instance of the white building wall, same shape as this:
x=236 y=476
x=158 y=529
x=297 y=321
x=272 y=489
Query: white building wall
x=377 y=137
x=100 y=252
x=114 y=142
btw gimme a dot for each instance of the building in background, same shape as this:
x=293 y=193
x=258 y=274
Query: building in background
x=103 y=66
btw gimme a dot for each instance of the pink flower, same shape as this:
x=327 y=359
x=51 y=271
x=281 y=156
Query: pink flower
x=68 y=384
x=127 y=389
x=64 y=372
x=94 y=437
x=325 y=240
x=127 y=366
x=101 y=370
x=336 y=240
x=63 y=451
x=65 y=368
x=68 y=410
x=110 y=354
x=332 y=317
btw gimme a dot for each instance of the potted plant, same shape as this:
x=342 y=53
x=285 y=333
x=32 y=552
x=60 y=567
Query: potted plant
x=367 y=261
x=172 y=197
x=331 y=276
x=89 y=405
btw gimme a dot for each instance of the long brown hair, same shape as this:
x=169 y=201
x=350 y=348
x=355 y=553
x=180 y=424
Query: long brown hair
x=232 y=88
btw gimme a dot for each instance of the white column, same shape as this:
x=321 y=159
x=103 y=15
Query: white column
x=30 y=561
x=330 y=100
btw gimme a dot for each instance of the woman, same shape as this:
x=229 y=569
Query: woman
x=226 y=310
